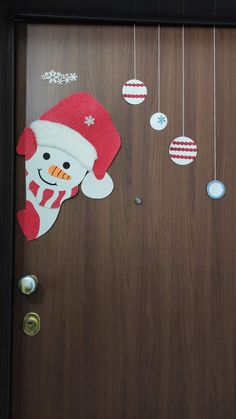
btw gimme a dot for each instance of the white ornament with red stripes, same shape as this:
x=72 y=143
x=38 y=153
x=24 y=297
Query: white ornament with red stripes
x=183 y=151
x=134 y=92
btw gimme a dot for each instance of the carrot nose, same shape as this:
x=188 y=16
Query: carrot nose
x=59 y=173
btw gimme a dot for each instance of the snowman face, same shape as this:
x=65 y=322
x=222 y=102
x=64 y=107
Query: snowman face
x=55 y=169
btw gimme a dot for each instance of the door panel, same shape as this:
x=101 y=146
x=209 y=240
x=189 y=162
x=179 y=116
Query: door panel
x=137 y=303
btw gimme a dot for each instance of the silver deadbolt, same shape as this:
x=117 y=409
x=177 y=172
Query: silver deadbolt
x=28 y=284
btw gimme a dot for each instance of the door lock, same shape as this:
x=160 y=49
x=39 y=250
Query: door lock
x=31 y=324
x=28 y=284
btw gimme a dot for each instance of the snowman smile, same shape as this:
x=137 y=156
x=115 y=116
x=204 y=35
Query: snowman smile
x=53 y=184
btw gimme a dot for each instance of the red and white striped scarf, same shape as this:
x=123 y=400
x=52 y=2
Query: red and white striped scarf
x=50 y=198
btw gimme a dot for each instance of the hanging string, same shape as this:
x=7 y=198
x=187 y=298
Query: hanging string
x=214 y=99
x=159 y=67
x=183 y=82
x=135 y=64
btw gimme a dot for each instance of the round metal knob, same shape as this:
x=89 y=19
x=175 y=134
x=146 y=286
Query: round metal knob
x=138 y=200
x=31 y=324
x=28 y=284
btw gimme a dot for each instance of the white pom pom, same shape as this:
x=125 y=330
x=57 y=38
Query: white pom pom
x=95 y=188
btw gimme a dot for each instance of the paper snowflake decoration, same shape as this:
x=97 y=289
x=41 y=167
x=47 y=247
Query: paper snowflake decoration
x=59 y=78
x=89 y=120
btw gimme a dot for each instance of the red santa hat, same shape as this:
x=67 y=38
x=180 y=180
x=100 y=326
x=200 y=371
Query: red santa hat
x=83 y=128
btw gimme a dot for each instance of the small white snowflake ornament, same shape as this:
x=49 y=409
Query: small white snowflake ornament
x=158 y=121
x=134 y=92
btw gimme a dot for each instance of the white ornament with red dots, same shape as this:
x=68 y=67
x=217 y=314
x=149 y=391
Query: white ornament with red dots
x=134 y=92
x=183 y=151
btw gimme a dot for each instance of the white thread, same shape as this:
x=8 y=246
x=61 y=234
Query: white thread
x=135 y=64
x=183 y=82
x=159 y=68
x=214 y=99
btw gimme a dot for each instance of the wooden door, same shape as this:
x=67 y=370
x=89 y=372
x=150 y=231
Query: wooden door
x=137 y=303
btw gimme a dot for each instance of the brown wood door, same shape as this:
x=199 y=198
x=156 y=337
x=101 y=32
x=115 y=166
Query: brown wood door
x=137 y=303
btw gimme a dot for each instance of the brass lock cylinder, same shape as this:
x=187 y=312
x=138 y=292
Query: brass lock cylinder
x=31 y=324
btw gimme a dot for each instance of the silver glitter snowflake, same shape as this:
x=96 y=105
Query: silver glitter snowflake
x=59 y=78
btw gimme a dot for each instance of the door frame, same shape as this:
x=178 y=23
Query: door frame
x=8 y=18
x=7 y=159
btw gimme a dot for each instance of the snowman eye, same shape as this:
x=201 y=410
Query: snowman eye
x=66 y=165
x=46 y=156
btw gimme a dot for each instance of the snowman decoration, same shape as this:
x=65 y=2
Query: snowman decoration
x=72 y=143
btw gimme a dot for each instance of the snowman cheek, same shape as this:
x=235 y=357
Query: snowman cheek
x=69 y=183
x=76 y=178
x=32 y=165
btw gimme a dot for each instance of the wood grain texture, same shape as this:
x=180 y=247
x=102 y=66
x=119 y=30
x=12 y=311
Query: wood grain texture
x=137 y=302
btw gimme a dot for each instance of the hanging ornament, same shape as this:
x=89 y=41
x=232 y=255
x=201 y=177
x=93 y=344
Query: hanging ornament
x=134 y=91
x=183 y=150
x=71 y=144
x=159 y=120
x=215 y=188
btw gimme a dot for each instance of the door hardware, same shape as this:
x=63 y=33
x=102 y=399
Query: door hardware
x=138 y=200
x=28 y=284
x=31 y=324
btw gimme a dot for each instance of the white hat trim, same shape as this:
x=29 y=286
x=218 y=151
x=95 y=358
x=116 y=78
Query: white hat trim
x=53 y=134
x=97 y=188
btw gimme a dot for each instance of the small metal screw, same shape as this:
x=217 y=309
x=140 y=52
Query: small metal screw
x=138 y=200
